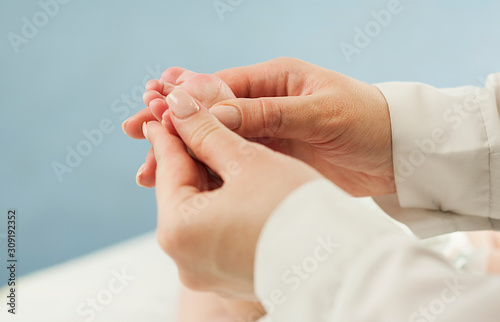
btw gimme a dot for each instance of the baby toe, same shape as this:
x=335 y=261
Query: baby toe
x=150 y=96
x=160 y=87
x=176 y=75
x=158 y=106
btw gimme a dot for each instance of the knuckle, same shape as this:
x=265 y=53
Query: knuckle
x=170 y=240
x=200 y=135
x=271 y=115
x=182 y=246
x=175 y=233
x=164 y=240
x=174 y=245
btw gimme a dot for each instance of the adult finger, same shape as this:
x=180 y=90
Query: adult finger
x=177 y=176
x=292 y=117
x=146 y=175
x=278 y=77
x=133 y=125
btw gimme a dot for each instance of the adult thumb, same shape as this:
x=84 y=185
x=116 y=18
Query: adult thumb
x=291 y=117
x=210 y=141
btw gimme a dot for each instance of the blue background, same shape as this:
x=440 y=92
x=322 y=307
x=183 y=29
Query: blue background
x=66 y=78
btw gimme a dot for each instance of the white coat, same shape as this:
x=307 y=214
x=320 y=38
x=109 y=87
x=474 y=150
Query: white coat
x=324 y=256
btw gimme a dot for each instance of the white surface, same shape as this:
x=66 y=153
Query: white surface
x=55 y=294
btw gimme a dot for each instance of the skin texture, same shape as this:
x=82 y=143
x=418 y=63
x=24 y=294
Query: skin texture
x=338 y=125
x=212 y=240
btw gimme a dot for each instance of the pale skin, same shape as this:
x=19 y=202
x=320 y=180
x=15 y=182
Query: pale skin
x=309 y=113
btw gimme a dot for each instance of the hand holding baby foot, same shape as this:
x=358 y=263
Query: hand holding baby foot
x=207 y=89
x=336 y=124
x=197 y=221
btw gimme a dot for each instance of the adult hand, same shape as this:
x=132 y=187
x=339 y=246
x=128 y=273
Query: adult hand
x=338 y=125
x=209 y=228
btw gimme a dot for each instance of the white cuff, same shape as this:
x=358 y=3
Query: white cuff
x=446 y=146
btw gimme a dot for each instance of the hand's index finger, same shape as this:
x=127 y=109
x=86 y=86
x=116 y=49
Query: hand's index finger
x=273 y=78
x=133 y=125
x=175 y=170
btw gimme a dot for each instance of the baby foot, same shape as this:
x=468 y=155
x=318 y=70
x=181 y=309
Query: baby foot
x=207 y=89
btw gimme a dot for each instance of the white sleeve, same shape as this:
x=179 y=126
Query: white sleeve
x=324 y=256
x=446 y=152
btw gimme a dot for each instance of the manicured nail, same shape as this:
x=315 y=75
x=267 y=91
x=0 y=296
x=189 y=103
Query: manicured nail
x=228 y=115
x=145 y=130
x=141 y=170
x=181 y=104
x=123 y=125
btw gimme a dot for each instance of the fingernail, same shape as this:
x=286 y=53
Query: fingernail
x=141 y=170
x=123 y=125
x=181 y=104
x=228 y=115
x=145 y=130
